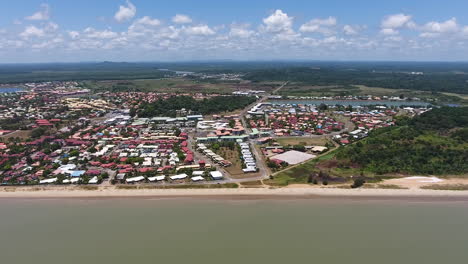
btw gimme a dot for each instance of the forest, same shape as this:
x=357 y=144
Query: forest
x=217 y=104
x=434 y=143
x=433 y=81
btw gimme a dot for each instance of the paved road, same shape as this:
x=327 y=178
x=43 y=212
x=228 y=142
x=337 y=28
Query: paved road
x=261 y=164
x=261 y=100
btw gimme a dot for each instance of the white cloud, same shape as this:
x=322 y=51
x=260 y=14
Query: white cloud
x=429 y=35
x=241 y=31
x=105 y=34
x=143 y=26
x=148 y=21
x=74 y=34
x=464 y=31
x=125 y=13
x=389 y=31
x=32 y=31
x=396 y=21
x=448 y=26
x=43 y=14
x=278 y=22
x=351 y=30
x=181 y=19
x=51 y=26
x=323 y=26
x=200 y=30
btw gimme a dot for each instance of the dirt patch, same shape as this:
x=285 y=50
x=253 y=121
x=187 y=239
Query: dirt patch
x=305 y=141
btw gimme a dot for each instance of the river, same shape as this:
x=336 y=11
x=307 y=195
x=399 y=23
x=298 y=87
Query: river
x=232 y=231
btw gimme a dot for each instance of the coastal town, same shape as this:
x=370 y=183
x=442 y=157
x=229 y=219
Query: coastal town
x=59 y=133
x=138 y=131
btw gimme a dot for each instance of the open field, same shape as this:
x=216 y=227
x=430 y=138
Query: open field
x=22 y=134
x=299 y=174
x=235 y=171
x=300 y=89
x=377 y=91
x=305 y=141
x=175 y=85
x=462 y=96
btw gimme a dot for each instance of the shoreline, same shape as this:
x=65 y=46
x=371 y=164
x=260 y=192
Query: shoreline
x=237 y=194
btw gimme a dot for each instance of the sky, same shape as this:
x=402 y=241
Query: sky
x=183 y=30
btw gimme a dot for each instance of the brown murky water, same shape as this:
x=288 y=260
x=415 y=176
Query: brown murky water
x=207 y=231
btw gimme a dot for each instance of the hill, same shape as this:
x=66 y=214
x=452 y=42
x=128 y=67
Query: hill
x=434 y=143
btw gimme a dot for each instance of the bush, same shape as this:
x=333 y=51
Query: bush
x=359 y=182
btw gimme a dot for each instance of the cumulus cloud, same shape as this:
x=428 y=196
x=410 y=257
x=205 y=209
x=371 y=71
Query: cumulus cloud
x=105 y=34
x=148 y=21
x=278 y=22
x=323 y=26
x=125 y=13
x=448 y=26
x=51 y=26
x=275 y=37
x=200 y=30
x=389 y=31
x=73 y=34
x=43 y=14
x=351 y=30
x=181 y=19
x=32 y=31
x=241 y=31
x=143 y=26
x=396 y=21
x=464 y=31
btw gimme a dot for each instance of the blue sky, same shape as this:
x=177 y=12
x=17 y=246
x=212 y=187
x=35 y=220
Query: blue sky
x=143 y=30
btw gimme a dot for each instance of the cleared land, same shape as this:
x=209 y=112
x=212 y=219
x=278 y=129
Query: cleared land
x=175 y=85
x=300 y=89
x=22 y=134
x=235 y=170
x=305 y=141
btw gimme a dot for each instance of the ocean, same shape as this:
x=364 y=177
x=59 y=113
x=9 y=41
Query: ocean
x=206 y=231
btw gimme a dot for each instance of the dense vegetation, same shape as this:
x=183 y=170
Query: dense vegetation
x=20 y=73
x=436 y=82
x=438 y=76
x=434 y=143
x=217 y=104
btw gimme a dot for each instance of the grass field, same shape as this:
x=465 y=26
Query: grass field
x=175 y=85
x=447 y=187
x=22 y=134
x=235 y=170
x=300 y=173
x=299 y=89
x=377 y=91
x=252 y=184
x=462 y=96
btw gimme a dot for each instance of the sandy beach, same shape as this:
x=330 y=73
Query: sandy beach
x=251 y=193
